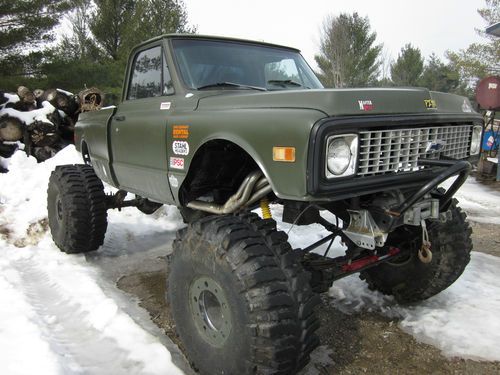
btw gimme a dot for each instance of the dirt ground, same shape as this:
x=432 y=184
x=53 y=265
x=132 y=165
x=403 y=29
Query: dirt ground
x=357 y=343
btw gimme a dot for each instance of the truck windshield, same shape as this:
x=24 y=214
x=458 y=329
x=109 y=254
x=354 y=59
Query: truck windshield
x=206 y=64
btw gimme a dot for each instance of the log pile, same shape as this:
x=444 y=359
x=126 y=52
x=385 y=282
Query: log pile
x=41 y=122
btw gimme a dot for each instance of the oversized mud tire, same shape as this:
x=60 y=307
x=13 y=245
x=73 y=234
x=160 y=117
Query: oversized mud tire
x=231 y=300
x=409 y=280
x=76 y=206
x=299 y=282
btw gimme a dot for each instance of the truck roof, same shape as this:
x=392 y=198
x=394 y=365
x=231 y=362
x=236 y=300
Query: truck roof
x=213 y=37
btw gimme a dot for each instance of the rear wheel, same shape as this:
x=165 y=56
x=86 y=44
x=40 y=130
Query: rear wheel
x=76 y=206
x=411 y=280
x=235 y=309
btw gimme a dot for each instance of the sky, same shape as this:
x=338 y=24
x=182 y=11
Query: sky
x=433 y=26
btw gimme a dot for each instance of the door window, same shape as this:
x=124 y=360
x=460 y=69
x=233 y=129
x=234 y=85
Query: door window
x=146 y=76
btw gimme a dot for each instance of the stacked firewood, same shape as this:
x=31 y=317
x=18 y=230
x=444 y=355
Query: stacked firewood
x=42 y=121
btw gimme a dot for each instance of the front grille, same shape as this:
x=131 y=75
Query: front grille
x=388 y=151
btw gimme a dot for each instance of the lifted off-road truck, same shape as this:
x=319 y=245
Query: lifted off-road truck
x=219 y=127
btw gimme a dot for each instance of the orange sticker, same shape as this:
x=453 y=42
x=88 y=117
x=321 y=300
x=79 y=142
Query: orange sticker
x=180 y=131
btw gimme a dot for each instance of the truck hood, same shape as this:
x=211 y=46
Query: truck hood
x=341 y=102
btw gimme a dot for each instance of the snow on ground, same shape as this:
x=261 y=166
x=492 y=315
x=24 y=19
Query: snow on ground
x=66 y=312
x=57 y=314
x=481 y=202
x=462 y=321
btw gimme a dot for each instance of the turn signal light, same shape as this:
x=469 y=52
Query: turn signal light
x=286 y=154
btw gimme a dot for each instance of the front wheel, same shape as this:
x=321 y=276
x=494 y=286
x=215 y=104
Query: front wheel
x=232 y=302
x=411 y=280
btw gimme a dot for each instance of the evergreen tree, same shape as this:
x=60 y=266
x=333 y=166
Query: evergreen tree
x=79 y=44
x=438 y=76
x=348 y=56
x=109 y=24
x=161 y=17
x=29 y=22
x=408 y=67
x=118 y=25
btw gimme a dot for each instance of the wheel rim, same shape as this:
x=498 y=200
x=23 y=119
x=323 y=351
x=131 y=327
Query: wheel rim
x=210 y=310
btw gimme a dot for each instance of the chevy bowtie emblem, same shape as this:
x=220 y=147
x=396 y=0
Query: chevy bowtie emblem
x=436 y=146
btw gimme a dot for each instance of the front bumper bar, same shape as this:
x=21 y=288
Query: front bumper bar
x=461 y=168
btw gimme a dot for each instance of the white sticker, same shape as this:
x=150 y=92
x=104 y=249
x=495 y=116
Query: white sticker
x=165 y=105
x=492 y=86
x=189 y=95
x=177 y=163
x=466 y=106
x=180 y=147
x=174 y=182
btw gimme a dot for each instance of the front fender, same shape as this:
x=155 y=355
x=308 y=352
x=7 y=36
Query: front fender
x=256 y=131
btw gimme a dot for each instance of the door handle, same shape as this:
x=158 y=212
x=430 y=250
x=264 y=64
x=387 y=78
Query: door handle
x=120 y=118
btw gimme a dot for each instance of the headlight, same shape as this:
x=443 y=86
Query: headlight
x=475 y=143
x=341 y=154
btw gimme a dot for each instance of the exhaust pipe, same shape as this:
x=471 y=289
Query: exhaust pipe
x=254 y=187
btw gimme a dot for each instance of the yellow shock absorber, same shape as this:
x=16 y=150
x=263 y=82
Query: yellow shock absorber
x=264 y=207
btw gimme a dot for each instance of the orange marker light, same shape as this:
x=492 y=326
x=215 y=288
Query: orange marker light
x=286 y=154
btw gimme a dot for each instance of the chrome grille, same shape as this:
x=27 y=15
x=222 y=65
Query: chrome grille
x=388 y=151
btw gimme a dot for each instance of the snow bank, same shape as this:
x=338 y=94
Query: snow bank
x=461 y=321
x=53 y=306
x=23 y=191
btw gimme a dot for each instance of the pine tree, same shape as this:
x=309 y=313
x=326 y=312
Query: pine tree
x=110 y=22
x=438 y=76
x=408 y=67
x=118 y=25
x=27 y=23
x=162 y=17
x=348 y=56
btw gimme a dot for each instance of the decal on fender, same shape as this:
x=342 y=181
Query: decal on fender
x=180 y=147
x=165 y=106
x=177 y=163
x=180 y=131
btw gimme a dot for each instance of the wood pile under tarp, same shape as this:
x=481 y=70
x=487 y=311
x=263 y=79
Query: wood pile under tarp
x=41 y=122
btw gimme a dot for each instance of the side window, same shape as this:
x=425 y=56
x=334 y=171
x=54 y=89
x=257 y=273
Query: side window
x=168 y=87
x=146 y=76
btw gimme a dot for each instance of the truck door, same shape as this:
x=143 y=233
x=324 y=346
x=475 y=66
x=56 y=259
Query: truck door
x=138 y=128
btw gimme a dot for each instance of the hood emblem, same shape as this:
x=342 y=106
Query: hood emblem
x=365 y=105
x=436 y=146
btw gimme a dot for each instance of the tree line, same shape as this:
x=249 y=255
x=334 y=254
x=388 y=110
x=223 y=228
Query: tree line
x=98 y=35
x=93 y=51
x=349 y=57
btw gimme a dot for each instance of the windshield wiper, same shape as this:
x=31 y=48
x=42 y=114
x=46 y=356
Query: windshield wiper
x=284 y=82
x=231 y=84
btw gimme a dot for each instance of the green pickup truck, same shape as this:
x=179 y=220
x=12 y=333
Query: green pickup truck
x=220 y=127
